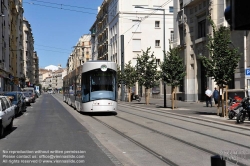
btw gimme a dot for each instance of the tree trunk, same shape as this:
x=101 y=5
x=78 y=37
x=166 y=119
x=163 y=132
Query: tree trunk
x=219 y=102
x=129 y=94
x=222 y=105
x=147 y=96
x=226 y=108
x=172 y=96
x=175 y=97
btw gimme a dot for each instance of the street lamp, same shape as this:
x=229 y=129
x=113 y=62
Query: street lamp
x=164 y=49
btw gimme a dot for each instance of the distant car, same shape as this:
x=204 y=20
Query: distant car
x=7 y=114
x=17 y=100
x=32 y=90
x=28 y=97
x=51 y=92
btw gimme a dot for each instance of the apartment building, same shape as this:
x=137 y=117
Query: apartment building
x=30 y=58
x=52 y=79
x=57 y=80
x=36 y=68
x=10 y=46
x=81 y=53
x=190 y=33
x=141 y=23
x=13 y=47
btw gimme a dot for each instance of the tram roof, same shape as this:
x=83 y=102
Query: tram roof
x=95 y=64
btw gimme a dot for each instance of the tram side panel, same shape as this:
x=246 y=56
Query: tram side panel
x=78 y=89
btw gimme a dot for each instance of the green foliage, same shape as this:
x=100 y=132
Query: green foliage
x=223 y=58
x=130 y=75
x=147 y=69
x=173 y=68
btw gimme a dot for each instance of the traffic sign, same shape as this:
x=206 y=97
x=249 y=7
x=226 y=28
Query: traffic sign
x=247 y=72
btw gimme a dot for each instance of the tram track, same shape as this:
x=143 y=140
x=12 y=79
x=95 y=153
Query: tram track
x=159 y=156
x=189 y=130
x=162 y=158
x=165 y=114
x=182 y=141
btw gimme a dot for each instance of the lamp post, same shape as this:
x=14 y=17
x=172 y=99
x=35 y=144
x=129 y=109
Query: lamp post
x=164 y=45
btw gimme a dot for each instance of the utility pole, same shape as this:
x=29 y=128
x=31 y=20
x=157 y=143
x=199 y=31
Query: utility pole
x=122 y=68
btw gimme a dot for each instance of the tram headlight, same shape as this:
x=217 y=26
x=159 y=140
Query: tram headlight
x=104 y=67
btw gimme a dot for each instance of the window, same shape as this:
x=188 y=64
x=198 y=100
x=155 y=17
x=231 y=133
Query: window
x=3 y=105
x=202 y=28
x=157 y=43
x=171 y=35
x=171 y=9
x=158 y=62
x=136 y=44
x=191 y=11
x=6 y=102
x=204 y=3
x=157 y=24
x=136 y=26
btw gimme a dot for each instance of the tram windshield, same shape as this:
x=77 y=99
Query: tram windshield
x=98 y=85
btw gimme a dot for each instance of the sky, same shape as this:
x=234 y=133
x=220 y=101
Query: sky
x=57 y=26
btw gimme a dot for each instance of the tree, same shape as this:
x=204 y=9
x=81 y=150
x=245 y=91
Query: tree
x=223 y=59
x=173 y=70
x=129 y=77
x=147 y=71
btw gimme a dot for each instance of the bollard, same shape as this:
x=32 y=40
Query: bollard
x=217 y=161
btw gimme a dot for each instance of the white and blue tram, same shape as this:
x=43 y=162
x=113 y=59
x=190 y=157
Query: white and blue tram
x=92 y=87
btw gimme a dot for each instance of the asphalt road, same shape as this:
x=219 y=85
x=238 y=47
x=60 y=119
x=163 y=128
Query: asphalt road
x=47 y=134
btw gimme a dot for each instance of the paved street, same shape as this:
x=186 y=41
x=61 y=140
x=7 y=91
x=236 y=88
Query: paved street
x=47 y=130
x=138 y=135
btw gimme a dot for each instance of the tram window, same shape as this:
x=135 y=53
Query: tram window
x=98 y=85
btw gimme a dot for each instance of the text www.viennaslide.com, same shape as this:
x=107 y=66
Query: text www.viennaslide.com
x=47 y=157
x=44 y=161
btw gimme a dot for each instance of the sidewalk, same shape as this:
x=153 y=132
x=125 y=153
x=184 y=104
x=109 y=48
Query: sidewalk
x=195 y=109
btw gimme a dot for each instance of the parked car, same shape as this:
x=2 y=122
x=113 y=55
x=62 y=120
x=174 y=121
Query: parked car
x=7 y=114
x=28 y=97
x=18 y=101
x=32 y=90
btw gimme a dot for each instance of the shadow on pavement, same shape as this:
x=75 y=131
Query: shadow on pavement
x=99 y=113
x=205 y=113
x=7 y=132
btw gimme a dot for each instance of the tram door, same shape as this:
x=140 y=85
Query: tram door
x=203 y=82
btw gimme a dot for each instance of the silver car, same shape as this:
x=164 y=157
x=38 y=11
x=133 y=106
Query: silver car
x=28 y=97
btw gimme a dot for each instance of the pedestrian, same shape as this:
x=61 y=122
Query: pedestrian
x=216 y=96
x=209 y=94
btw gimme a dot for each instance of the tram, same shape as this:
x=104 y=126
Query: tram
x=92 y=87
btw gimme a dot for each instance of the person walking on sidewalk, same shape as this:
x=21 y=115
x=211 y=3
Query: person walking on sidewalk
x=208 y=93
x=216 y=96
